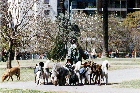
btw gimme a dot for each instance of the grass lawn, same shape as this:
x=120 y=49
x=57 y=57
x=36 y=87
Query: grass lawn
x=25 y=91
x=129 y=84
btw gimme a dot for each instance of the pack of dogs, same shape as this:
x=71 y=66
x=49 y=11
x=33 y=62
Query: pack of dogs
x=62 y=75
x=76 y=74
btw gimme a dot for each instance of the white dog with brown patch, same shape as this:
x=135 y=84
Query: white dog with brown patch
x=105 y=66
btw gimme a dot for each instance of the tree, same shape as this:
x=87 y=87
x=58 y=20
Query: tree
x=64 y=33
x=91 y=27
x=131 y=23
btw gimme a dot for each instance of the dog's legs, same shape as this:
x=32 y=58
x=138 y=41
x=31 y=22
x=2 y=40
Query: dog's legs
x=35 y=78
x=99 y=81
x=106 y=79
x=18 y=76
x=37 y=82
x=9 y=78
x=88 y=78
x=96 y=79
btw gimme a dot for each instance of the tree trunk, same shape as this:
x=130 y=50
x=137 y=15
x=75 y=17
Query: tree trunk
x=9 y=54
x=105 y=27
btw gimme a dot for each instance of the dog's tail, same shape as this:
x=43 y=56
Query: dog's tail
x=18 y=63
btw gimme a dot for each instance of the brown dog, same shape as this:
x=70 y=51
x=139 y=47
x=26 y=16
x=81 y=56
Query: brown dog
x=12 y=71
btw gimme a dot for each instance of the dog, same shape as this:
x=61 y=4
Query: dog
x=12 y=71
x=39 y=78
x=73 y=79
x=63 y=72
x=85 y=73
x=105 y=66
x=39 y=73
x=88 y=75
x=46 y=70
x=54 y=74
x=98 y=74
x=77 y=67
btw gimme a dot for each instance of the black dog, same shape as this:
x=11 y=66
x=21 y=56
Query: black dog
x=73 y=78
x=63 y=72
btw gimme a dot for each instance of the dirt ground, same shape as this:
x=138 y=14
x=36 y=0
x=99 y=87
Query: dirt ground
x=115 y=77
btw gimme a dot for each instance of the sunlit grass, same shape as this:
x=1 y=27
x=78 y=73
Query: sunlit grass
x=26 y=91
x=130 y=84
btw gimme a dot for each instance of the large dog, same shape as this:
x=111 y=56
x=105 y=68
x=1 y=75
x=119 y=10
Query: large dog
x=63 y=72
x=105 y=66
x=12 y=71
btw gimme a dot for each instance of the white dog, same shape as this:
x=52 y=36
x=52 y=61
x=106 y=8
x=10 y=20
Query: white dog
x=105 y=66
x=77 y=68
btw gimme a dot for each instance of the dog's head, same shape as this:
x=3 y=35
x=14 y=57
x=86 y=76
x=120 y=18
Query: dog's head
x=4 y=76
x=107 y=64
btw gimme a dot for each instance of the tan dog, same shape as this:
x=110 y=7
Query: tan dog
x=12 y=71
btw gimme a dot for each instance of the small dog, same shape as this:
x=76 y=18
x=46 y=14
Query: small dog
x=12 y=71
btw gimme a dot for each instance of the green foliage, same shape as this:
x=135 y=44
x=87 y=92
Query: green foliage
x=63 y=37
x=132 y=20
x=58 y=51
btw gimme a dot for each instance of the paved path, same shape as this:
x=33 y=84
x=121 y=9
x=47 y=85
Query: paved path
x=115 y=77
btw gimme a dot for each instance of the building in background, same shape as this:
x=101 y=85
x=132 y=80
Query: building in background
x=42 y=8
x=119 y=7
x=51 y=8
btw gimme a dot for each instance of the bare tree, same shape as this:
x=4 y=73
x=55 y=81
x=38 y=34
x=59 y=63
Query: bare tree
x=17 y=22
